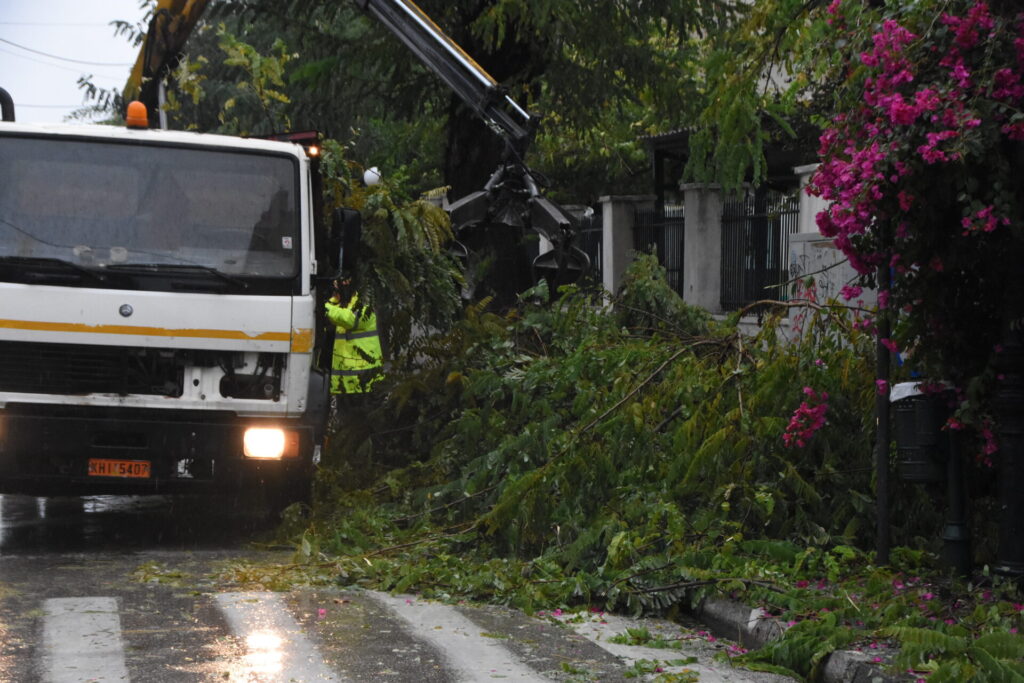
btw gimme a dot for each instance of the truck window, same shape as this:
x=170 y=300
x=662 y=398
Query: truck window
x=104 y=203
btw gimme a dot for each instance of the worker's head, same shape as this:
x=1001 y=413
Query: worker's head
x=343 y=285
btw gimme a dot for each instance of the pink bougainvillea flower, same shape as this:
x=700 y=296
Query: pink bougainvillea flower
x=807 y=419
x=850 y=292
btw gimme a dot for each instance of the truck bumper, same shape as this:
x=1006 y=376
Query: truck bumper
x=46 y=450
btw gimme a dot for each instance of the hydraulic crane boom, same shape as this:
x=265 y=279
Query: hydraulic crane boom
x=511 y=199
x=458 y=70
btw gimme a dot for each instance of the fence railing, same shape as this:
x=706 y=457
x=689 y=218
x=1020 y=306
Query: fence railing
x=755 y=246
x=665 y=235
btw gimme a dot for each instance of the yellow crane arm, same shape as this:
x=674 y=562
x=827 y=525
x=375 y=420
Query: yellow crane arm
x=169 y=28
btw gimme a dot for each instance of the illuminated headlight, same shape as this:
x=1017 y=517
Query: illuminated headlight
x=266 y=444
x=270 y=443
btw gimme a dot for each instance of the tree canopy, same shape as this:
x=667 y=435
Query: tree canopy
x=599 y=76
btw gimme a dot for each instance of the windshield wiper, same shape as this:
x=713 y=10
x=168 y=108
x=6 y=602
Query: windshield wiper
x=49 y=262
x=175 y=267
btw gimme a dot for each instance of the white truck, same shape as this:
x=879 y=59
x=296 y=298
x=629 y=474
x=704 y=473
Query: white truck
x=159 y=317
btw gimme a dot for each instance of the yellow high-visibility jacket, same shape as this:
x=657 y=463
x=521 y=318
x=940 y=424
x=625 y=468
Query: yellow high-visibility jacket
x=357 y=356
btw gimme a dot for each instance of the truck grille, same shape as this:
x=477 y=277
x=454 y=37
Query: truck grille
x=80 y=369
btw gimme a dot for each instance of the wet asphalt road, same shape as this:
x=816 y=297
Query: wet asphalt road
x=95 y=524
x=119 y=588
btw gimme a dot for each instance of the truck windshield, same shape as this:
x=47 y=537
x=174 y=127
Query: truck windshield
x=99 y=204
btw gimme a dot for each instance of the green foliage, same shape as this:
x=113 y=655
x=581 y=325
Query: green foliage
x=562 y=433
x=994 y=656
x=552 y=457
x=646 y=303
x=253 y=102
x=758 y=92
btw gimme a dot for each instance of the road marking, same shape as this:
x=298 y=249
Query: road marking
x=276 y=647
x=82 y=641
x=474 y=657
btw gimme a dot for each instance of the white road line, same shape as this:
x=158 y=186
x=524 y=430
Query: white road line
x=277 y=649
x=473 y=656
x=82 y=641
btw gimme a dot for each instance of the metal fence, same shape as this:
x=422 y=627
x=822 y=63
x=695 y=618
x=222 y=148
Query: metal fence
x=755 y=245
x=664 y=235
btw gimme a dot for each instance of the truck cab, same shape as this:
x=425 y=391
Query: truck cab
x=158 y=317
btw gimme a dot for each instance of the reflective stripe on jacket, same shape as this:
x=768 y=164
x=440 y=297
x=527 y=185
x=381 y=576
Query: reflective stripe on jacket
x=357 y=358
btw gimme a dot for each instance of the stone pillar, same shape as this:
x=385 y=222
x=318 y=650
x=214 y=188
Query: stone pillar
x=617 y=214
x=702 y=261
x=810 y=206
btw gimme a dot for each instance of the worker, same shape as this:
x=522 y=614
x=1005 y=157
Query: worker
x=357 y=356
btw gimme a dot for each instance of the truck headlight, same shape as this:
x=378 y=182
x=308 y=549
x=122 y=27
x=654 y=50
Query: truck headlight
x=270 y=443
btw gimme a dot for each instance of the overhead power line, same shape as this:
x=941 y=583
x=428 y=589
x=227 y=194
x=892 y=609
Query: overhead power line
x=56 y=66
x=49 y=106
x=63 y=59
x=51 y=23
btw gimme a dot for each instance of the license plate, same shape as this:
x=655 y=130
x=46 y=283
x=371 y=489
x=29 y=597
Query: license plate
x=129 y=469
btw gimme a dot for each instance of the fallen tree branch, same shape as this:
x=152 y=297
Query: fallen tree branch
x=481 y=492
x=710 y=582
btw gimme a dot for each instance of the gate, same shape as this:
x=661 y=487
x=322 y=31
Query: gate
x=664 y=235
x=755 y=245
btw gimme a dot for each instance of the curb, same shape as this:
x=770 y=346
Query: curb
x=753 y=628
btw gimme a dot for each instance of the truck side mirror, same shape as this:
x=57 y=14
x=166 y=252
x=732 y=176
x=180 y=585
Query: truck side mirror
x=343 y=243
x=6 y=106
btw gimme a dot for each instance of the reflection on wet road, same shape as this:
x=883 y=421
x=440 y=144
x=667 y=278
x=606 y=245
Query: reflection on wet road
x=112 y=523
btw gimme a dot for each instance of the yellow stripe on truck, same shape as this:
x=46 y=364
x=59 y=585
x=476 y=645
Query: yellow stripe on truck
x=301 y=339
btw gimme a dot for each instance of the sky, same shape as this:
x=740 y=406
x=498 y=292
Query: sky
x=46 y=45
